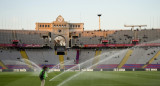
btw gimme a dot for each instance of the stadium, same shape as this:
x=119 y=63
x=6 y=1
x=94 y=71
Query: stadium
x=77 y=57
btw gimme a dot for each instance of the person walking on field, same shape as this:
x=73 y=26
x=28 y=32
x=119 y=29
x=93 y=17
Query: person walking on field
x=43 y=75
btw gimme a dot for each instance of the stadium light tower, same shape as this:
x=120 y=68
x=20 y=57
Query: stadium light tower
x=99 y=21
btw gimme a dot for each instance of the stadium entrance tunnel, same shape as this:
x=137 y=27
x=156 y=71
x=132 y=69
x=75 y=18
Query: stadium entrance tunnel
x=60 y=50
x=59 y=45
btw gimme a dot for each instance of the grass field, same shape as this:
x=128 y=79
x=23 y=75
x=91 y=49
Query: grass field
x=104 y=78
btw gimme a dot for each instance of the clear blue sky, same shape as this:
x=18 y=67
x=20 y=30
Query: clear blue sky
x=18 y=14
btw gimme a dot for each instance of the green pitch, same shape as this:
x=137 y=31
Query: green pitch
x=85 y=79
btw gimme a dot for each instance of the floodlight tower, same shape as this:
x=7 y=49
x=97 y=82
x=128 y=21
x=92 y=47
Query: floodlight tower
x=99 y=21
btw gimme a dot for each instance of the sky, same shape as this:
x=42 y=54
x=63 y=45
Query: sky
x=23 y=14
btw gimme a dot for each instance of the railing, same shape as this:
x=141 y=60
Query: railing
x=122 y=45
x=21 y=45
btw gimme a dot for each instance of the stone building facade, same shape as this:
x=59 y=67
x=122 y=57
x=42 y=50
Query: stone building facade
x=60 y=28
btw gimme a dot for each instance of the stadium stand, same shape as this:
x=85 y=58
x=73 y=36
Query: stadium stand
x=144 y=54
x=6 y=37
